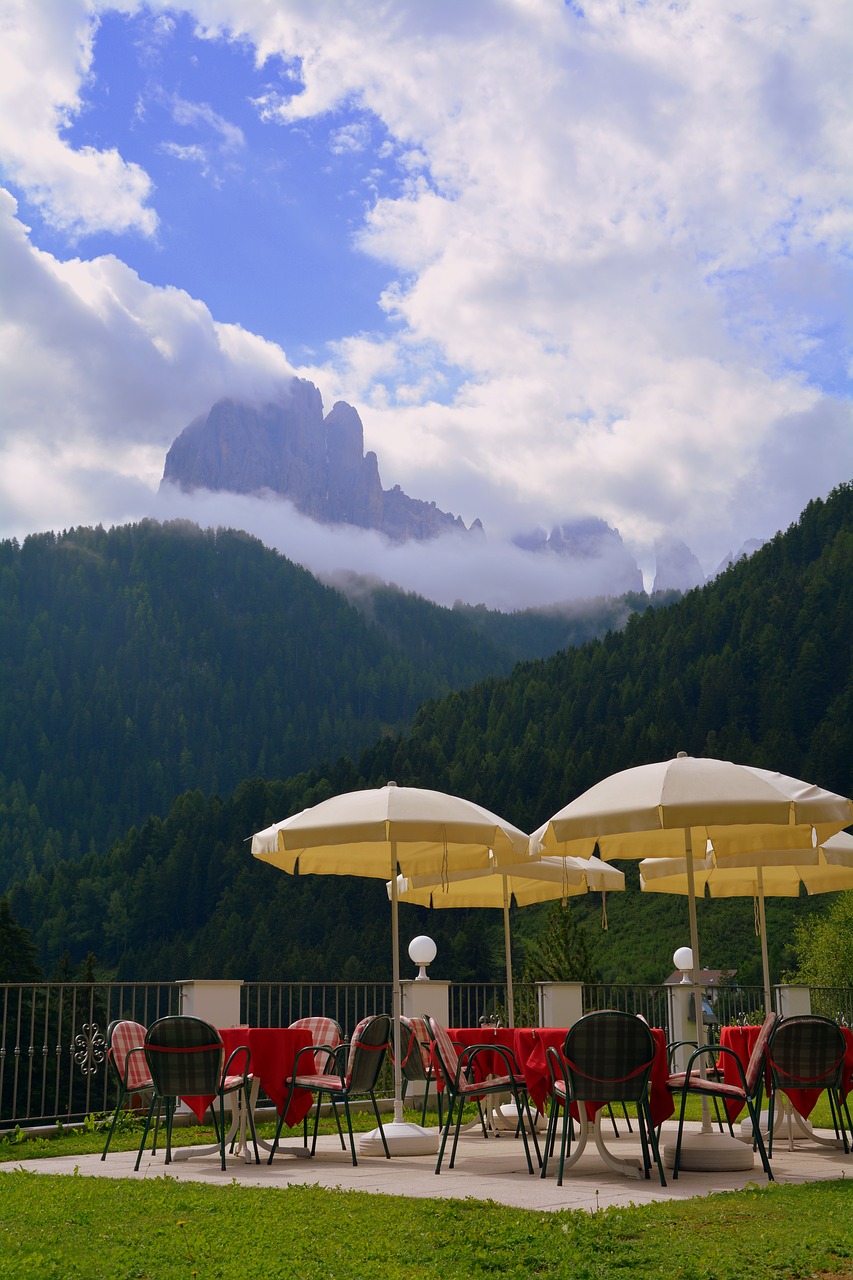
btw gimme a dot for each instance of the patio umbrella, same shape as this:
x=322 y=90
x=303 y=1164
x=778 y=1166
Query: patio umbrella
x=526 y=883
x=380 y=833
x=827 y=869
x=675 y=807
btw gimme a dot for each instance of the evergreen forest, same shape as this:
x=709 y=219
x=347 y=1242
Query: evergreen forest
x=755 y=667
x=148 y=660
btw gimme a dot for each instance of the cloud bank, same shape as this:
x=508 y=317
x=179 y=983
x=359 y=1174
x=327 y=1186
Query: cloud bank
x=617 y=240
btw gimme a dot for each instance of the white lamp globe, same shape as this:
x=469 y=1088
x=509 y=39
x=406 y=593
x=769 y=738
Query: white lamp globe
x=683 y=960
x=422 y=951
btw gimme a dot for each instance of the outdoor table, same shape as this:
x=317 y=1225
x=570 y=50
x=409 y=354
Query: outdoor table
x=802 y=1101
x=273 y=1053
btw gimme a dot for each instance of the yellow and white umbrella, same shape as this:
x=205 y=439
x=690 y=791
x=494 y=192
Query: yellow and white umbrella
x=827 y=869
x=380 y=833
x=548 y=880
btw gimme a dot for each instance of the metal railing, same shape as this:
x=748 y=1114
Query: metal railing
x=53 y=1064
x=53 y=1044
x=277 y=1004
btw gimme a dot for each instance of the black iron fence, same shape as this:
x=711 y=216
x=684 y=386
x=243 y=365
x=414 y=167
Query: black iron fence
x=53 y=1035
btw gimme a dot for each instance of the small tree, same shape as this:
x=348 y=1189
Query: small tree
x=824 y=947
x=560 y=953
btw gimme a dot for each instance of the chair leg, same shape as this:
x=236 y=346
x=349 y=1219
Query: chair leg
x=274 y=1146
x=445 y=1131
x=154 y=1102
x=338 y=1123
x=245 y=1095
x=121 y=1095
x=222 y=1130
x=550 y=1134
x=565 y=1139
x=755 y=1117
x=379 y=1122
x=349 y=1130
x=677 y=1159
x=653 y=1138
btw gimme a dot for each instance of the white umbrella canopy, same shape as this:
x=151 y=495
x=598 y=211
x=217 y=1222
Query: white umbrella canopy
x=526 y=883
x=827 y=869
x=675 y=807
x=379 y=833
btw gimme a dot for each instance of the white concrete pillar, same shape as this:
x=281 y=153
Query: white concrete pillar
x=217 y=1002
x=424 y=997
x=681 y=1025
x=792 y=1000
x=560 y=1003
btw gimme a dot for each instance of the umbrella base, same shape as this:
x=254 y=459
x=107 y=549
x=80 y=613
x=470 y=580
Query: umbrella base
x=710 y=1153
x=403 y=1138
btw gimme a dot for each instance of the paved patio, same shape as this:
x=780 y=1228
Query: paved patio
x=486 y=1170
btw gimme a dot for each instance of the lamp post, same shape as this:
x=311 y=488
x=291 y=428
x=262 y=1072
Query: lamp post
x=422 y=951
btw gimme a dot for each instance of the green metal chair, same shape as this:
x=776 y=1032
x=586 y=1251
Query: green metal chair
x=126 y=1056
x=807 y=1051
x=185 y=1057
x=607 y=1057
x=456 y=1070
x=364 y=1057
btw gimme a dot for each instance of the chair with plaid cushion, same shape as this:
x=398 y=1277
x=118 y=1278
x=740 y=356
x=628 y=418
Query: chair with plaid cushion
x=185 y=1057
x=417 y=1064
x=457 y=1071
x=607 y=1057
x=365 y=1054
x=807 y=1052
x=326 y=1034
x=126 y=1055
x=748 y=1091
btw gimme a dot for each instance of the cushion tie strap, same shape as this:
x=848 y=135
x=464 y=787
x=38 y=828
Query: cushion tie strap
x=193 y=1048
x=833 y=1066
x=644 y=1066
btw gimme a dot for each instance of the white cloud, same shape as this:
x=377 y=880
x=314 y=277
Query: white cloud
x=613 y=245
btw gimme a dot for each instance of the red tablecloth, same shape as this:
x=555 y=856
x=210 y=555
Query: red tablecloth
x=741 y=1039
x=529 y=1045
x=273 y=1051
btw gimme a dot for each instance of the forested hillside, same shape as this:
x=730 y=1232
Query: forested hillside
x=755 y=667
x=147 y=660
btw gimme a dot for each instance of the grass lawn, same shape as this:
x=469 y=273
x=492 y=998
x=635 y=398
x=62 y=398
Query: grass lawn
x=55 y=1226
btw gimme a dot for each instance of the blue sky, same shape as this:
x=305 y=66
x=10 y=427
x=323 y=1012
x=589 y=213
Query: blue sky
x=565 y=261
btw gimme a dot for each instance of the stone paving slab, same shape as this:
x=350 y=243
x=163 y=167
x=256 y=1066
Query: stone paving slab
x=492 y=1169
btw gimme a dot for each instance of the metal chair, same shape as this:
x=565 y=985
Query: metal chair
x=185 y=1057
x=326 y=1033
x=807 y=1052
x=126 y=1055
x=456 y=1071
x=365 y=1055
x=748 y=1091
x=607 y=1057
x=417 y=1064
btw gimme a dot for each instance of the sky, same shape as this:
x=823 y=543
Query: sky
x=565 y=259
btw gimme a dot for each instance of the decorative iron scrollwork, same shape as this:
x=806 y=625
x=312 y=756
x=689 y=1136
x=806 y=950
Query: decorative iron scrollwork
x=90 y=1049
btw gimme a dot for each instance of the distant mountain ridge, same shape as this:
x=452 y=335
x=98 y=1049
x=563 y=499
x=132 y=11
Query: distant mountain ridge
x=318 y=463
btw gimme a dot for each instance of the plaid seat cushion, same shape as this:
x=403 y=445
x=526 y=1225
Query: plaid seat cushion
x=756 y=1059
x=323 y=1031
x=235 y=1082
x=447 y=1056
x=710 y=1086
x=320 y=1081
x=493 y=1084
x=422 y=1035
x=133 y=1071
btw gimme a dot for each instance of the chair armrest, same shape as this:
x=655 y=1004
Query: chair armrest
x=715 y=1049
x=241 y=1048
x=331 y=1058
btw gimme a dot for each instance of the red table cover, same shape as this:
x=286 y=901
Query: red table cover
x=529 y=1045
x=273 y=1051
x=741 y=1039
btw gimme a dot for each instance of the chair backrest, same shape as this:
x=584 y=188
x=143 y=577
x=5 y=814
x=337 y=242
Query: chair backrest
x=755 y=1066
x=185 y=1056
x=370 y=1042
x=414 y=1048
x=806 y=1052
x=446 y=1055
x=609 y=1057
x=124 y=1036
x=323 y=1031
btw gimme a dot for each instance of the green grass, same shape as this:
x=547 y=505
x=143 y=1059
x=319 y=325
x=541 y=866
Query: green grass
x=156 y=1229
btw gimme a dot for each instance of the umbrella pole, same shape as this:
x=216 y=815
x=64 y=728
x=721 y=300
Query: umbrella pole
x=402 y=1138
x=396 y=1009
x=697 y=985
x=762 y=927
x=508 y=951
